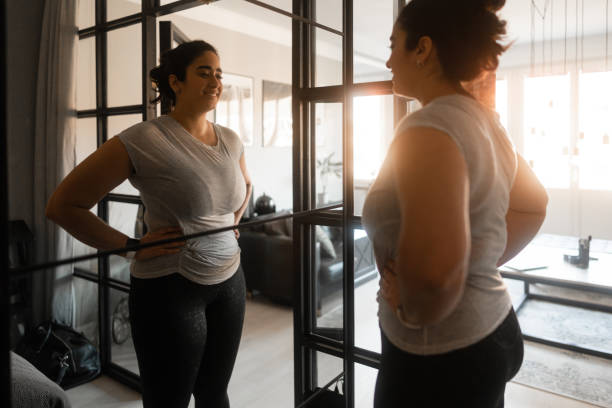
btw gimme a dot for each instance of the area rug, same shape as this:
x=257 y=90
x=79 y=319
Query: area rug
x=576 y=375
x=566 y=373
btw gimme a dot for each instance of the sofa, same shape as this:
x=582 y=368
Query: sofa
x=268 y=264
x=31 y=388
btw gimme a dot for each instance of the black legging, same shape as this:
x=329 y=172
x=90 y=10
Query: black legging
x=473 y=377
x=186 y=337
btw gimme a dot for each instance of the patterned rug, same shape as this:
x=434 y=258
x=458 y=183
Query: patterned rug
x=563 y=372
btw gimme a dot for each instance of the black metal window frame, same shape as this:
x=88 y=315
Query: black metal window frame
x=305 y=94
x=5 y=373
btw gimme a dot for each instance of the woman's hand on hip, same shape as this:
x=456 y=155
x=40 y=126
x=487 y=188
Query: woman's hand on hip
x=162 y=249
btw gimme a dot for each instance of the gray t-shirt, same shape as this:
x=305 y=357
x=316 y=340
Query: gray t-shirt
x=184 y=182
x=491 y=162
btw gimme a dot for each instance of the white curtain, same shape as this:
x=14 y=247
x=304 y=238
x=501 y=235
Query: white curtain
x=54 y=154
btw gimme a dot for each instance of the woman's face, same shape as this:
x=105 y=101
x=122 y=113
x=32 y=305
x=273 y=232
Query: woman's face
x=202 y=86
x=402 y=63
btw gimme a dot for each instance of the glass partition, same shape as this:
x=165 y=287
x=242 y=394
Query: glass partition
x=372 y=135
x=328 y=153
x=124 y=66
x=372 y=25
x=122 y=344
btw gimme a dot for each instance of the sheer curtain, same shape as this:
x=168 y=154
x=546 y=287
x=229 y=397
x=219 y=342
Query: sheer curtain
x=54 y=155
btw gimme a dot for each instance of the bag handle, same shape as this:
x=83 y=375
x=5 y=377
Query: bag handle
x=41 y=329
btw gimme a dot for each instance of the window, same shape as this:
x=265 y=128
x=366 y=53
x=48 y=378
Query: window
x=593 y=155
x=546 y=131
x=501 y=101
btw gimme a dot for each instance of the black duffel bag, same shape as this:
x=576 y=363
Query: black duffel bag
x=62 y=354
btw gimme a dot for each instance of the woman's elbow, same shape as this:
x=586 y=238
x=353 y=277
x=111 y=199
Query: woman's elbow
x=54 y=209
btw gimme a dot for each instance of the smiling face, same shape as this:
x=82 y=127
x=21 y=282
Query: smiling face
x=403 y=64
x=202 y=86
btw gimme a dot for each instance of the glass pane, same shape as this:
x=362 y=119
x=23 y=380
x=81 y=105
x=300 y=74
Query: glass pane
x=327 y=286
x=365 y=383
x=329 y=13
x=120 y=8
x=328 y=58
x=594 y=145
x=86 y=74
x=327 y=367
x=252 y=37
x=277 y=114
x=86 y=13
x=235 y=107
x=547 y=123
x=117 y=124
x=124 y=66
x=501 y=101
x=80 y=249
x=86 y=139
x=122 y=345
x=373 y=22
x=86 y=307
x=127 y=219
x=268 y=331
x=328 y=154
x=372 y=135
x=367 y=332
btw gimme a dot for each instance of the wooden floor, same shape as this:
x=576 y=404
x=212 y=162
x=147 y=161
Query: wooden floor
x=263 y=375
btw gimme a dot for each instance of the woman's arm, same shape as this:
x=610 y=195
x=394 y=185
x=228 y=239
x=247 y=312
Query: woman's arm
x=84 y=187
x=526 y=212
x=249 y=188
x=434 y=242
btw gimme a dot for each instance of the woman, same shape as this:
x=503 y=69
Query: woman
x=187 y=299
x=453 y=201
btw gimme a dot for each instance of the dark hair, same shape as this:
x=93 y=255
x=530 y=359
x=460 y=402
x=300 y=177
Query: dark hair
x=465 y=33
x=175 y=61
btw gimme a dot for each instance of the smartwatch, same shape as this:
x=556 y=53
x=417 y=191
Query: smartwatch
x=131 y=242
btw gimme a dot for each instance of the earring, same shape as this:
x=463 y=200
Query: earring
x=420 y=64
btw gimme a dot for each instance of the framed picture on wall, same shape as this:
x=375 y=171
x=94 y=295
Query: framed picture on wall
x=235 y=107
x=277 y=115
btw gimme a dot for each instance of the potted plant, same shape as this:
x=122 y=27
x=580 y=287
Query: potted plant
x=326 y=167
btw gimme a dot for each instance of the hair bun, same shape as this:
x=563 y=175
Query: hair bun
x=466 y=6
x=492 y=5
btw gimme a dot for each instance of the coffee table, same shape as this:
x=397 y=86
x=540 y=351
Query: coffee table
x=542 y=262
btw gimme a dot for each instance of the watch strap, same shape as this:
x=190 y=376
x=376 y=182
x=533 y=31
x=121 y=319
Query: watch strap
x=131 y=242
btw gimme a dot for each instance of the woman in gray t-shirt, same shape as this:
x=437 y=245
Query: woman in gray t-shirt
x=451 y=202
x=187 y=298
